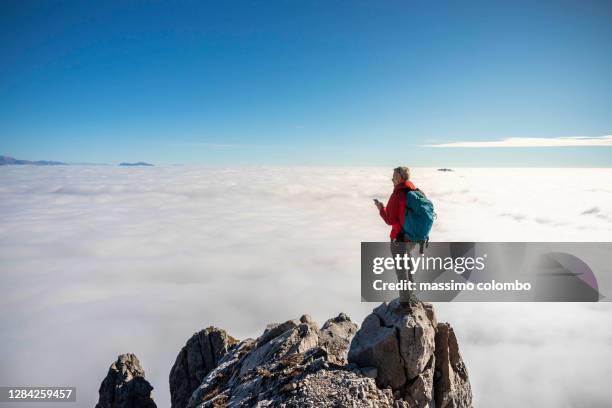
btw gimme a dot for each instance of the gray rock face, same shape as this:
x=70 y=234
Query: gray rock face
x=399 y=342
x=414 y=355
x=277 y=368
x=294 y=341
x=451 y=382
x=401 y=357
x=335 y=338
x=273 y=330
x=338 y=388
x=125 y=386
x=198 y=357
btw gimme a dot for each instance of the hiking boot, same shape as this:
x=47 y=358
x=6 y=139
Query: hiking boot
x=412 y=300
x=406 y=304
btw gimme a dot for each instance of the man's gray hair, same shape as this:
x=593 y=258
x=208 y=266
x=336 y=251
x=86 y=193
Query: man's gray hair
x=404 y=172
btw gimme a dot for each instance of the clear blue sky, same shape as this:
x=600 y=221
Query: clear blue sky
x=296 y=82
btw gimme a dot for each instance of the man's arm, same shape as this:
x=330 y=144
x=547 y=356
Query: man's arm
x=389 y=213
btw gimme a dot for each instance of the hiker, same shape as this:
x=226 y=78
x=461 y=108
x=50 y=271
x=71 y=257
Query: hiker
x=406 y=203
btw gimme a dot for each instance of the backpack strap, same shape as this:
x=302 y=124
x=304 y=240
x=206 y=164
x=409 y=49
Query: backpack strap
x=421 y=191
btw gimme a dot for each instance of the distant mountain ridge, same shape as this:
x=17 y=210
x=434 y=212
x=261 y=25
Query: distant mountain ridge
x=136 y=164
x=8 y=160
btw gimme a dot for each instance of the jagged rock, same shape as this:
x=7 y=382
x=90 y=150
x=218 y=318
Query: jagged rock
x=215 y=389
x=125 y=386
x=377 y=346
x=394 y=360
x=451 y=382
x=399 y=341
x=290 y=364
x=258 y=367
x=199 y=356
x=337 y=388
x=335 y=338
x=293 y=341
x=273 y=330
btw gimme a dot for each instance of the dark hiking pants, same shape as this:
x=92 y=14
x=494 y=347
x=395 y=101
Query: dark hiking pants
x=412 y=249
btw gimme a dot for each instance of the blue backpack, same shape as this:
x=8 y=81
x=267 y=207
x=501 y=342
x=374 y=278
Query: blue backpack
x=418 y=216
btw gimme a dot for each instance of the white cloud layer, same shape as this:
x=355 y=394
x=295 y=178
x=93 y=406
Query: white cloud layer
x=570 y=141
x=98 y=261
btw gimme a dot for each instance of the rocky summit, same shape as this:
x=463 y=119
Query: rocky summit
x=125 y=386
x=199 y=357
x=400 y=357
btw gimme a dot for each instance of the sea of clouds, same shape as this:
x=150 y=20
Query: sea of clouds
x=98 y=260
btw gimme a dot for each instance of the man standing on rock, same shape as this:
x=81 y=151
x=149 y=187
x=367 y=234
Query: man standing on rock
x=395 y=214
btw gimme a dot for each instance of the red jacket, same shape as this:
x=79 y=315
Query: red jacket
x=393 y=213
